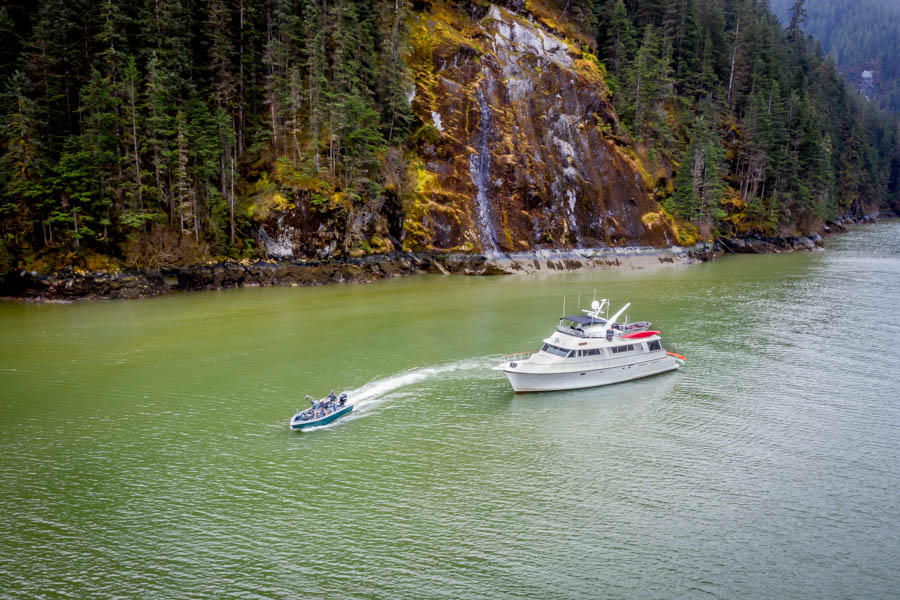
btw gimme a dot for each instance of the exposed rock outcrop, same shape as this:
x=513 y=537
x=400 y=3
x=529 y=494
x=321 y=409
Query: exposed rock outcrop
x=515 y=153
x=71 y=284
x=758 y=245
x=524 y=158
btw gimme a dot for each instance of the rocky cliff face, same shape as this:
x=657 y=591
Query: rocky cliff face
x=516 y=152
x=520 y=155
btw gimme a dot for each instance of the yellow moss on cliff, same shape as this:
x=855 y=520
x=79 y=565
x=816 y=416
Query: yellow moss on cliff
x=266 y=197
x=415 y=206
x=631 y=157
x=421 y=62
x=553 y=19
x=744 y=217
x=654 y=220
x=592 y=71
x=425 y=179
x=686 y=233
x=442 y=30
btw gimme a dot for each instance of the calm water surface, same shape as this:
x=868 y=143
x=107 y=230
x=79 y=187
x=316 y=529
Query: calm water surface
x=145 y=452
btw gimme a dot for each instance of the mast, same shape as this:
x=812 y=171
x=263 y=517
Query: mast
x=610 y=322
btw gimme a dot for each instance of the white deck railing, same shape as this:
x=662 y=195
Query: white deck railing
x=519 y=356
x=597 y=334
x=573 y=365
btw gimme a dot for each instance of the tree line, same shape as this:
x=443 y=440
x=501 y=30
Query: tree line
x=146 y=129
x=766 y=135
x=123 y=122
x=860 y=35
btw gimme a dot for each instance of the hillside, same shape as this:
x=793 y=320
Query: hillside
x=172 y=132
x=862 y=36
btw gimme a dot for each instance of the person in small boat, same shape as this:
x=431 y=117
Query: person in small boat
x=331 y=396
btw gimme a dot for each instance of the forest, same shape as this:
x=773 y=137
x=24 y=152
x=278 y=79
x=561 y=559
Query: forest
x=143 y=134
x=773 y=135
x=861 y=35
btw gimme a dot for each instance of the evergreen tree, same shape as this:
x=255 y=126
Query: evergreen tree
x=166 y=117
x=798 y=18
x=619 y=37
x=22 y=162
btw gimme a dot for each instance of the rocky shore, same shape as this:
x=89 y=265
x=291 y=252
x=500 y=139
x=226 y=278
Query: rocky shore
x=72 y=284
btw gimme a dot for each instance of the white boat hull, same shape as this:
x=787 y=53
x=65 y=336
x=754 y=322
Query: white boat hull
x=523 y=381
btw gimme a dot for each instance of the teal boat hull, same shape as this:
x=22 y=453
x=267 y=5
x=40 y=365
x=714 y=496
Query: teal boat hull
x=300 y=425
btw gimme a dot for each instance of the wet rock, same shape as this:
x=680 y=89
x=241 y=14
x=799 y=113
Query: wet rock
x=71 y=285
x=514 y=168
x=495 y=269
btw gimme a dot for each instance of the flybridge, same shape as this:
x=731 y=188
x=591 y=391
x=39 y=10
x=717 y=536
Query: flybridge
x=591 y=324
x=577 y=328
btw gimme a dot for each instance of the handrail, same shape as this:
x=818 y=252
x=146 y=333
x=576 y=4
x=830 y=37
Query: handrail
x=519 y=355
x=573 y=366
x=585 y=334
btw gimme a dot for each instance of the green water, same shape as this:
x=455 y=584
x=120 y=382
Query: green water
x=145 y=451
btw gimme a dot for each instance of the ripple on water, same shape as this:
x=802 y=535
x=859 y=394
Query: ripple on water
x=160 y=461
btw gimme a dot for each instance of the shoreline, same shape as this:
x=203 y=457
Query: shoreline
x=71 y=285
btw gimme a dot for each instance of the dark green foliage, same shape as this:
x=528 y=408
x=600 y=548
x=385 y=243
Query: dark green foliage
x=775 y=143
x=698 y=185
x=121 y=118
x=616 y=36
x=153 y=121
x=860 y=35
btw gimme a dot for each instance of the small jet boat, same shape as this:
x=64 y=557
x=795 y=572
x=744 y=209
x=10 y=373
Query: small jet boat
x=321 y=412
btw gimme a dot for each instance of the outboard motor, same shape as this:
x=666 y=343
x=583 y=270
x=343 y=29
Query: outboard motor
x=343 y=398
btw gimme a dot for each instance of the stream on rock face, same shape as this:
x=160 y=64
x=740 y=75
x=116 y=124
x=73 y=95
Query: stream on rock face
x=145 y=448
x=480 y=170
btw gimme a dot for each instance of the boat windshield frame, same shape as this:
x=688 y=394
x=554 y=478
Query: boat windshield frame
x=575 y=326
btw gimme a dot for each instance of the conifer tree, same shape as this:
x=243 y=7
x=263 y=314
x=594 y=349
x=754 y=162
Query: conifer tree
x=798 y=18
x=619 y=37
x=22 y=159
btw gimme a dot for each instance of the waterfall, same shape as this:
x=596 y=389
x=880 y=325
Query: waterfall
x=480 y=171
x=570 y=214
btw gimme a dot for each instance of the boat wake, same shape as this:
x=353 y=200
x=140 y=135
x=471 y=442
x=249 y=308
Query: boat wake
x=370 y=395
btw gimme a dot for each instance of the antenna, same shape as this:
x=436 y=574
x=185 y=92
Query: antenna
x=579 y=301
x=612 y=321
x=564 y=305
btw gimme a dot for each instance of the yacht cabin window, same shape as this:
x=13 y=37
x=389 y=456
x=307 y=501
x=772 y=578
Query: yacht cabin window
x=626 y=348
x=589 y=352
x=555 y=350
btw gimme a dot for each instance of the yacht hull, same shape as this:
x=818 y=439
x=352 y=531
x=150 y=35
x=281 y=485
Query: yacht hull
x=523 y=381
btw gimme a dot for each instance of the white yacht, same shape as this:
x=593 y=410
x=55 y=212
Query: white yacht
x=589 y=350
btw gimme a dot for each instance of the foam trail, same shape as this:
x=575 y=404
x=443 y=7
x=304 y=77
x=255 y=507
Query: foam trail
x=374 y=390
x=371 y=394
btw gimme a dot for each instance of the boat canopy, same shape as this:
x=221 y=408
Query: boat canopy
x=585 y=320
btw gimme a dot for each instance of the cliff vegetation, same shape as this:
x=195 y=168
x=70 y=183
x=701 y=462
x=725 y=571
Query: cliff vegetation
x=173 y=132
